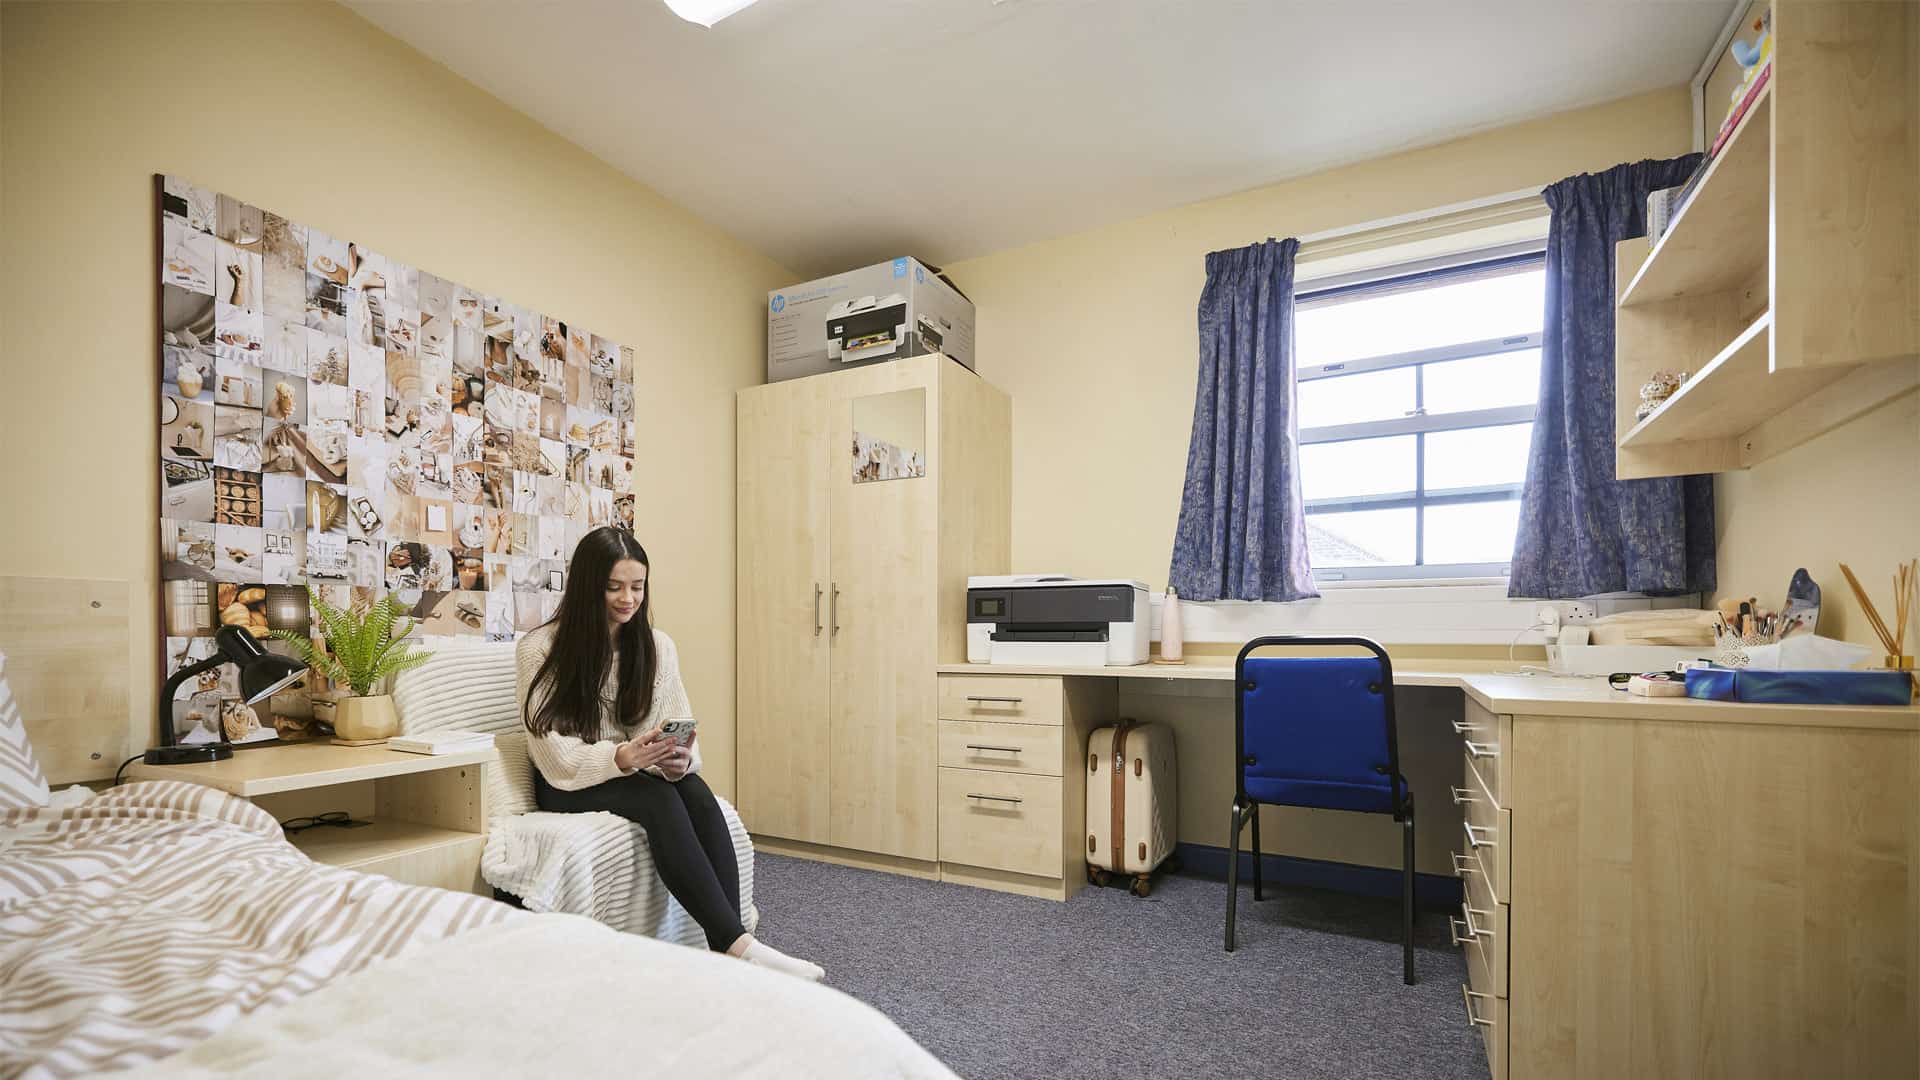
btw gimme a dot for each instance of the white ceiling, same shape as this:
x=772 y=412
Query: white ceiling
x=833 y=133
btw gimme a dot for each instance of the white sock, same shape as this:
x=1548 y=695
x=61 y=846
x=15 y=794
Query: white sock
x=759 y=952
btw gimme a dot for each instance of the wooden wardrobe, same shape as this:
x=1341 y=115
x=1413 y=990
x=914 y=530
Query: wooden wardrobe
x=850 y=592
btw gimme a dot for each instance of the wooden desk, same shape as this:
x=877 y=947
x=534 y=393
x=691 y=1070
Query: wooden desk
x=428 y=811
x=1663 y=887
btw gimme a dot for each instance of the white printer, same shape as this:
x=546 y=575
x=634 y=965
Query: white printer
x=1055 y=619
x=866 y=328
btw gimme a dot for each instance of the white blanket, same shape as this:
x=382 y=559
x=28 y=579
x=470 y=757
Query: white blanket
x=559 y=995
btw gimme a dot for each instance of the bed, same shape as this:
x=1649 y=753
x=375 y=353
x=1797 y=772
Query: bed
x=170 y=926
x=171 y=929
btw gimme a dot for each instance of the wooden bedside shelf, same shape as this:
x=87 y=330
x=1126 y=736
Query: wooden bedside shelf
x=428 y=811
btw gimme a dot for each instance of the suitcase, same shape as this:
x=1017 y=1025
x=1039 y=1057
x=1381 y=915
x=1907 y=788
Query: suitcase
x=1131 y=802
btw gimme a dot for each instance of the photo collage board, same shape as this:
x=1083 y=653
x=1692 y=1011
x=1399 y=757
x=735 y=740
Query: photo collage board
x=331 y=417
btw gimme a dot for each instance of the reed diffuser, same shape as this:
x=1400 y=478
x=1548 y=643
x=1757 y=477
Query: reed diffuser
x=1905 y=577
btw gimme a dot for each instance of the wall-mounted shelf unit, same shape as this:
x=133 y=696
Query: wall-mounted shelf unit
x=1789 y=283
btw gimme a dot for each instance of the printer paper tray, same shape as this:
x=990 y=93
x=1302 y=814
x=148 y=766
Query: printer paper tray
x=1056 y=653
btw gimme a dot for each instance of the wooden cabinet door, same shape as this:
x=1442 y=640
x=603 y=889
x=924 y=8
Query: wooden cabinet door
x=783 y=773
x=884 y=737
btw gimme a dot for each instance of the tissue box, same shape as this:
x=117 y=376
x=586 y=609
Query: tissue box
x=1801 y=687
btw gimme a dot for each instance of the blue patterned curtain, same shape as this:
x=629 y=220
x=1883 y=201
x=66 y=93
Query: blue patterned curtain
x=1242 y=535
x=1582 y=531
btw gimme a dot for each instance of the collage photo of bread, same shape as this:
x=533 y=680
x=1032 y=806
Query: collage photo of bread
x=333 y=419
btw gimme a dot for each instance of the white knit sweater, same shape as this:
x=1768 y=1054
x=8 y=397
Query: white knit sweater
x=570 y=763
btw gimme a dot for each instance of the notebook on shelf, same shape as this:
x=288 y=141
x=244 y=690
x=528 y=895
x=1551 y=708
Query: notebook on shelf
x=440 y=742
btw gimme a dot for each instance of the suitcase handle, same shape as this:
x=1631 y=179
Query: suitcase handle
x=994 y=700
x=995 y=798
x=1002 y=749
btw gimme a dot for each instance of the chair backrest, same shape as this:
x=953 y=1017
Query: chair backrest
x=1317 y=730
x=471 y=685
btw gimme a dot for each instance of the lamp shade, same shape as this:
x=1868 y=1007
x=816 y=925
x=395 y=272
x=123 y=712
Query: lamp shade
x=262 y=674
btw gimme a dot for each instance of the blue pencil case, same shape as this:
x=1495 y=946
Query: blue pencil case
x=1800 y=687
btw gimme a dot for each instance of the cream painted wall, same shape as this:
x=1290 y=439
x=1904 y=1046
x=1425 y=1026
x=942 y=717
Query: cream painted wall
x=1848 y=496
x=308 y=110
x=1094 y=336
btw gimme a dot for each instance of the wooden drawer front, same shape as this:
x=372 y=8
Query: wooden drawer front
x=1487 y=833
x=1015 y=748
x=1486 y=1010
x=1002 y=821
x=1483 y=922
x=1019 y=699
x=1486 y=738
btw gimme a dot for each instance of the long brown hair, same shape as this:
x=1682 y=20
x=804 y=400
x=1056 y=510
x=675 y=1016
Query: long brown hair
x=582 y=651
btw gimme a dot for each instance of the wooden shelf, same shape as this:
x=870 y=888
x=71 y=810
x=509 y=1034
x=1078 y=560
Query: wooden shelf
x=381 y=841
x=1731 y=394
x=269 y=770
x=1719 y=240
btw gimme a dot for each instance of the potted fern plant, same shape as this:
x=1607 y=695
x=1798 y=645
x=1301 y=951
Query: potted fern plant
x=362 y=653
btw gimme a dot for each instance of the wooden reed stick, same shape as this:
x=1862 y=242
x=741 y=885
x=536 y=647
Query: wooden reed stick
x=1903 y=582
x=1873 y=616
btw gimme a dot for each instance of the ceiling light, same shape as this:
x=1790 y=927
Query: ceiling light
x=706 y=12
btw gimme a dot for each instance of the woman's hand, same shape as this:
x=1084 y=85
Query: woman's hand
x=680 y=760
x=643 y=750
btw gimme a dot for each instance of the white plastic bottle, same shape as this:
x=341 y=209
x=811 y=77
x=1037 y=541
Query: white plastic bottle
x=1172 y=645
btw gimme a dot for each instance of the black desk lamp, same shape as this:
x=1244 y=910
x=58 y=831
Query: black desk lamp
x=262 y=675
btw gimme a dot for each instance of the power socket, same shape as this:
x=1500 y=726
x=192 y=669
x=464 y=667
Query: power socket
x=1554 y=614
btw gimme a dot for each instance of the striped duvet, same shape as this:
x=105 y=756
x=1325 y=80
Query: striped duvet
x=149 y=917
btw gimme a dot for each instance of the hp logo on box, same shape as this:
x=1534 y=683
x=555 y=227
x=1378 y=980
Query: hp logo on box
x=777 y=304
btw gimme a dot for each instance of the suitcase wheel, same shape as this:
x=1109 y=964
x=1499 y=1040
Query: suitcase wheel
x=1142 y=885
x=1098 y=876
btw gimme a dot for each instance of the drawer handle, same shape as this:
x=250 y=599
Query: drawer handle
x=995 y=798
x=1467 y=912
x=1463 y=796
x=993 y=700
x=1481 y=750
x=1453 y=931
x=1462 y=728
x=1473 y=838
x=1465 y=864
x=1002 y=749
x=1466 y=998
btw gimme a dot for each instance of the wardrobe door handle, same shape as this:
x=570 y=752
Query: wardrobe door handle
x=817 y=626
x=833 y=608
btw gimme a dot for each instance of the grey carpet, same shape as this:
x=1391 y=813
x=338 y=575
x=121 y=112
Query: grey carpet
x=1107 y=984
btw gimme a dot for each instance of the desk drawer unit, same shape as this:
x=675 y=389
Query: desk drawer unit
x=1487 y=737
x=1483 y=923
x=1017 y=748
x=1017 y=699
x=1486 y=1011
x=1001 y=821
x=1486 y=833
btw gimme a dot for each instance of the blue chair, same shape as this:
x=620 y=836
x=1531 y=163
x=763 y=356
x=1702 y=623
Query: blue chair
x=1317 y=731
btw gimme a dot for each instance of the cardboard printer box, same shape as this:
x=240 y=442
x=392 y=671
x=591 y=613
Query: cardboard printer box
x=871 y=315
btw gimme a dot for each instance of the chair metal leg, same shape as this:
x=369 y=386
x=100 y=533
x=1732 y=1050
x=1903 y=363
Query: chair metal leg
x=1233 y=868
x=1255 y=808
x=1406 y=899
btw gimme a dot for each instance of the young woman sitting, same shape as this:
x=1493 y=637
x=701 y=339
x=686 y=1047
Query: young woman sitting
x=596 y=683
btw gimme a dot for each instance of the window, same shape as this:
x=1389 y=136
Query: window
x=1416 y=396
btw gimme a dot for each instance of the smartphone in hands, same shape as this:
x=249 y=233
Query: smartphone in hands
x=679 y=730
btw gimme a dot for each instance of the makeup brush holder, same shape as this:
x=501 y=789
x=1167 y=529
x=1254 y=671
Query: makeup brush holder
x=1731 y=648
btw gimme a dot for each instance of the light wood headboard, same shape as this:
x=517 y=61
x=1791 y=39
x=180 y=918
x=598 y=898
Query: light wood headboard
x=67 y=642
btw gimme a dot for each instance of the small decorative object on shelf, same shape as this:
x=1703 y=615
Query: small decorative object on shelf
x=362 y=652
x=1660 y=386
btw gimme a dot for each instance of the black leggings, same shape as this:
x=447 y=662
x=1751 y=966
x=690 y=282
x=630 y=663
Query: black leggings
x=692 y=847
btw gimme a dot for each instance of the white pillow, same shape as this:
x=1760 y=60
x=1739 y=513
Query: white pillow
x=22 y=784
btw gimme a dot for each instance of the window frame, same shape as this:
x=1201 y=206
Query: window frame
x=1419 y=423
